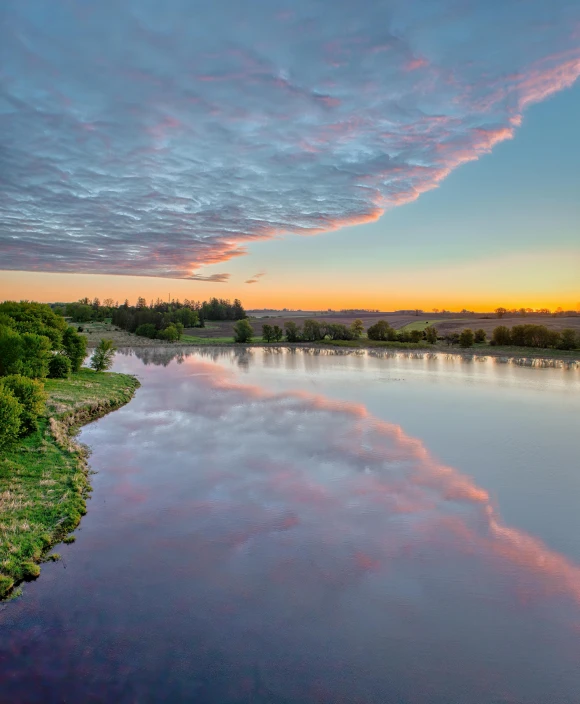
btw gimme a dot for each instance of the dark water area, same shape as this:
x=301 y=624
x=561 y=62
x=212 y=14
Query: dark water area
x=293 y=526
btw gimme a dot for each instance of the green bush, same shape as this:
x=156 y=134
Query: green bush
x=30 y=395
x=36 y=354
x=10 y=414
x=381 y=331
x=480 y=335
x=501 y=335
x=147 y=330
x=59 y=367
x=103 y=355
x=416 y=335
x=10 y=351
x=293 y=332
x=278 y=333
x=243 y=331
x=568 y=340
x=267 y=333
x=431 y=335
x=170 y=334
x=75 y=348
x=466 y=338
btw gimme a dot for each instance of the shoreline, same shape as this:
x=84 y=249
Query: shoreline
x=44 y=478
x=511 y=353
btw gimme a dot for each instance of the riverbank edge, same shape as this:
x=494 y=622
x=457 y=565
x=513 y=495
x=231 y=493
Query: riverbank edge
x=65 y=464
x=476 y=351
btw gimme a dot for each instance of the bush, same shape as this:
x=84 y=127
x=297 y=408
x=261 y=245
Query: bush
x=10 y=415
x=312 y=331
x=568 y=340
x=59 y=367
x=147 y=330
x=75 y=348
x=431 y=335
x=30 y=395
x=267 y=332
x=36 y=354
x=278 y=333
x=466 y=338
x=416 y=335
x=357 y=328
x=293 y=333
x=170 y=334
x=381 y=330
x=103 y=355
x=243 y=331
x=10 y=351
x=480 y=335
x=501 y=335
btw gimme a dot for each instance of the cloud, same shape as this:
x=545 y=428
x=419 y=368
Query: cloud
x=179 y=138
x=255 y=278
x=214 y=278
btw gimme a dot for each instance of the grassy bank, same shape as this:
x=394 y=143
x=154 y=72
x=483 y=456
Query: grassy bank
x=43 y=479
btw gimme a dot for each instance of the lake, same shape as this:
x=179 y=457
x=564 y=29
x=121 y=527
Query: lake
x=288 y=525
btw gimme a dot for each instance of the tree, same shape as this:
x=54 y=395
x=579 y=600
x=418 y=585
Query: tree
x=243 y=331
x=501 y=336
x=500 y=312
x=480 y=335
x=466 y=338
x=357 y=328
x=431 y=334
x=267 y=332
x=312 y=331
x=10 y=414
x=36 y=354
x=169 y=334
x=379 y=331
x=30 y=395
x=10 y=351
x=278 y=333
x=416 y=335
x=293 y=333
x=147 y=330
x=75 y=348
x=103 y=355
x=59 y=367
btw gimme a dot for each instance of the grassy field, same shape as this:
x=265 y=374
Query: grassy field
x=43 y=479
x=422 y=324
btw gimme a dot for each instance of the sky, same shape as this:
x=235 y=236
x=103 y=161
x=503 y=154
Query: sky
x=306 y=154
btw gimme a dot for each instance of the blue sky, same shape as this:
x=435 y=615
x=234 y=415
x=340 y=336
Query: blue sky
x=200 y=142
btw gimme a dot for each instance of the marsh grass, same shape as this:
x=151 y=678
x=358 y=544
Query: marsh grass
x=44 y=478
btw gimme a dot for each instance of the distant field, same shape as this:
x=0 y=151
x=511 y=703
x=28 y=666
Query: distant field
x=422 y=324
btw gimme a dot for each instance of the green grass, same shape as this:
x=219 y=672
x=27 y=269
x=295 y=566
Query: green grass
x=43 y=479
x=206 y=340
x=422 y=324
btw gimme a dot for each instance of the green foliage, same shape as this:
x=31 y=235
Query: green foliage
x=36 y=354
x=10 y=417
x=59 y=367
x=312 y=331
x=380 y=331
x=243 y=331
x=501 y=335
x=10 y=351
x=30 y=395
x=415 y=336
x=169 y=334
x=293 y=332
x=466 y=338
x=357 y=328
x=147 y=330
x=103 y=355
x=278 y=333
x=267 y=333
x=480 y=335
x=569 y=340
x=75 y=348
x=431 y=335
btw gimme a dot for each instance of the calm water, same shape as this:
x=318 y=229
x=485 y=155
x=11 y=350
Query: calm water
x=289 y=526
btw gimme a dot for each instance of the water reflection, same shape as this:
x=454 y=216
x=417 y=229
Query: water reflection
x=250 y=546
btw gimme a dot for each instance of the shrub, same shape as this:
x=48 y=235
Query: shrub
x=75 y=348
x=293 y=333
x=267 y=332
x=466 y=338
x=59 y=367
x=278 y=333
x=36 y=354
x=480 y=335
x=416 y=335
x=243 y=331
x=357 y=328
x=10 y=351
x=381 y=330
x=147 y=330
x=102 y=358
x=568 y=340
x=170 y=334
x=10 y=414
x=501 y=335
x=431 y=335
x=30 y=395
x=312 y=331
